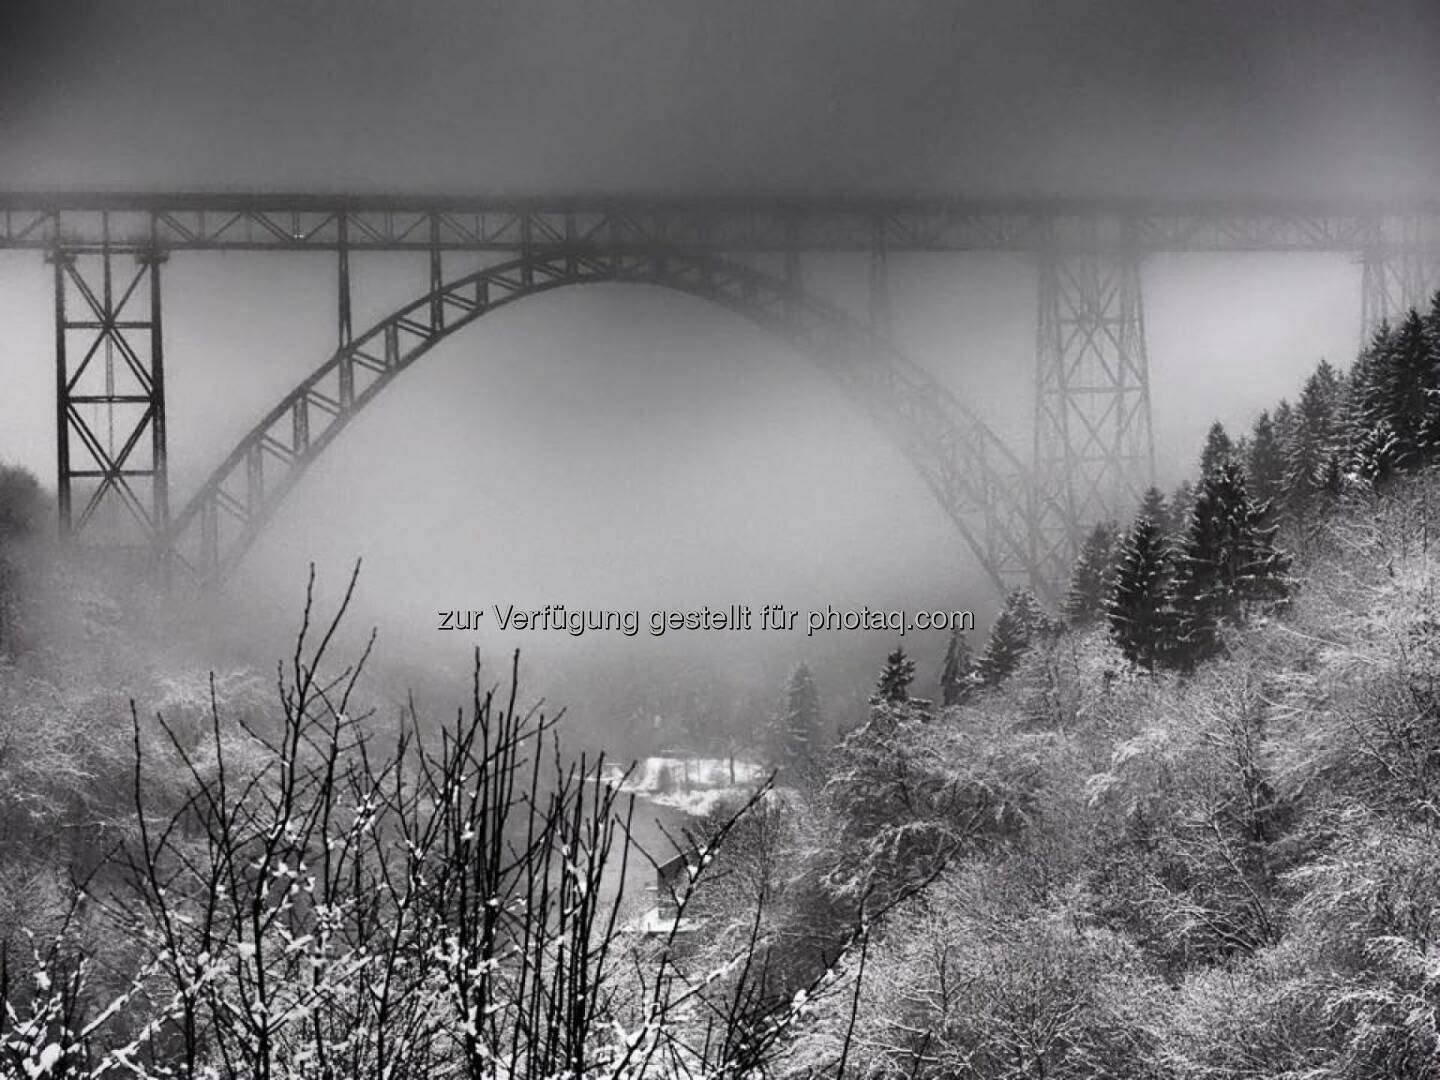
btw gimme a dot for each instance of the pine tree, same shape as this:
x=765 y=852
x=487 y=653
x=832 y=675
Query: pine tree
x=1375 y=455
x=1218 y=449
x=1284 y=424
x=1009 y=640
x=1430 y=430
x=1228 y=566
x=1181 y=500
x=1354 y=434
x=1092 y=578
x=1432 y=324
x=1314 y=442
x=1413 y=389
x=1394 y=386
x=956 y=671
x=895 y=679
x=1264 y=580
x=1019 y=623
x=1265 y=462
x=1154 y=506
x=1197 y=593
x=795 y=735
x=1138 y=611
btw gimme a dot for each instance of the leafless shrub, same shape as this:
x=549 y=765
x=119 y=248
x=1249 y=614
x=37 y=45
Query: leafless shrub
x=310 y=903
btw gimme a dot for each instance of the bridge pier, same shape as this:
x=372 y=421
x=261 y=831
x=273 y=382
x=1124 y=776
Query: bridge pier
x=1094 y=450
x=1391 y=284
x=110 y=438
x=345 y=323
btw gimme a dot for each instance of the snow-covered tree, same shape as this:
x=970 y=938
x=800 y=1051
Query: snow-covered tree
x=1393 y=413
x=1181 y=500
x=956 y=671
x=794 y=735
x=1139 y=615
x=895 y=679
x=1265 y=461
x=1375 y=455
x=1218 y=449
x=1154 y=505
x=1092 y=578
x=1227 y=567
x=1314 y=441
x=1019 y=622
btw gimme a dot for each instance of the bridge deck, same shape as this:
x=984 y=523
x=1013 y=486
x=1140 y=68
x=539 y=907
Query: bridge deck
x=280 y=221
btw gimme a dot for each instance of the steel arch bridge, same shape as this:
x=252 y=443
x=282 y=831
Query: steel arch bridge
x=1092 y=450
x=980 y=484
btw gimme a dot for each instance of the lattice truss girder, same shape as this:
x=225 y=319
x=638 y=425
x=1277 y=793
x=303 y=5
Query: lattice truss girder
x=1093 y=441
x=979 y=483
x=238 y=221
x=110 y=397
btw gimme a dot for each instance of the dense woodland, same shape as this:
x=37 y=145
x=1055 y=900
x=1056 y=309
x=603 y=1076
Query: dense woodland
x=1183 y=827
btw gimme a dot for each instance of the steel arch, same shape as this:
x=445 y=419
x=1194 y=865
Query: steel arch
x=978 y=481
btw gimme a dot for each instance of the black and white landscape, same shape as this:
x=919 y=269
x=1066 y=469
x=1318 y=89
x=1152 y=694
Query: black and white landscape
x=718 y=539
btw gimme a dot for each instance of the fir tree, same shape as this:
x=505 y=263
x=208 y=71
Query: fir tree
x=1138 y=611
x=795 y=735
x=1197 y=594
x=956 y=671
x=1265 y=462
x=895 y=679
x=1430 y=325
x=1264 y=580
x=1430 y=429
x=1413 y=393
x=1394 y=386
x=1284 y=424
x=1020 y=621
x=1314 y=441
x=1241 y=453
x=1154 y=506
x=1228 y=566
x=1092 y=578
x=1218 y=449
x=1181 y=500
x=1009 y=640
x=1375 y=455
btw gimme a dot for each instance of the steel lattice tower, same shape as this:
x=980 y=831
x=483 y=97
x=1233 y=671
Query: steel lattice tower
x=1399 y=271
x=1094 y=451
x=111 y=468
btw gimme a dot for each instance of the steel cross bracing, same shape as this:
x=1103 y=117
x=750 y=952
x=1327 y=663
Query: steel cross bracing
x=110 y=396
x=1092 y=442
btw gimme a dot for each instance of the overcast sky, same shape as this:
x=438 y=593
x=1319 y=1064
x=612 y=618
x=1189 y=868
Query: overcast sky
x=614 y=445
x=1062 y=96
